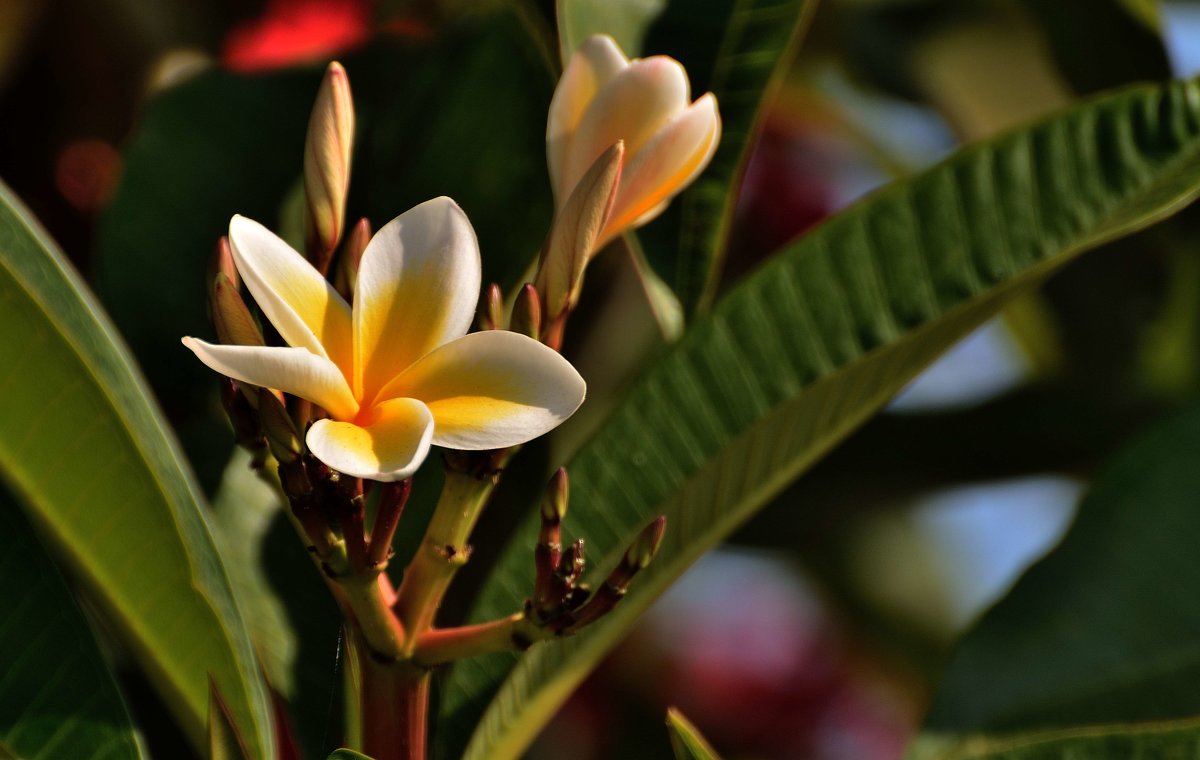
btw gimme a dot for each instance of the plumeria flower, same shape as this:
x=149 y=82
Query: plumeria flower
x=396 y=372
x=604 y=97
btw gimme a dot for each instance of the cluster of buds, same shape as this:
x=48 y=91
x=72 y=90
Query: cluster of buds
x=561 y=604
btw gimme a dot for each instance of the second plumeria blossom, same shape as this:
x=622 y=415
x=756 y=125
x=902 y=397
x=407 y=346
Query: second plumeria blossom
x=603 y=97
x=396 y=372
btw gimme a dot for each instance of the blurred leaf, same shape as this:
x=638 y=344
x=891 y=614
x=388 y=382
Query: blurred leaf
x=348 y=754
x=57 y=696
x=190 y=166
x=224 y=741
x=626 y=21
x=1154 y=741
x=756 y=52
x=1120 y=42
x=805 y=350
x=294 y=624
x=88 y=455
x=480 y=140
x=1104 y=628
x=686 y=742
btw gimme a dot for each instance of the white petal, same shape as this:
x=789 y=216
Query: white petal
x=492 y=389
x=664 y=166
x=632 y=106
x=303 y=306
x=418 y=286
x=596 y=61
x=292 y=370
x=390 y=446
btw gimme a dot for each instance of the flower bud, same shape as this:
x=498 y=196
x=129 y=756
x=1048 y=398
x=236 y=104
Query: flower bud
x=492 y=316
x=577 y=228
x=352 y=251
x=232 y=320
x=603 y=97
x=327 y=166
x=282 y=436
x=527 y=312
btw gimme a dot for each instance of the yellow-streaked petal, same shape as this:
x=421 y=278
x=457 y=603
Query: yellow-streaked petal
x=492 y=389
x=664 y=166
x=292 y=370
x=390 y=444
x=303 y=306
x=417 y=288
x=637 y=102
x=597 y=60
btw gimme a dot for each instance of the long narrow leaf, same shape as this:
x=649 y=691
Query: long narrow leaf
x=760 y=41
x=817 y=341
x=86 y=451
x=1151 y=741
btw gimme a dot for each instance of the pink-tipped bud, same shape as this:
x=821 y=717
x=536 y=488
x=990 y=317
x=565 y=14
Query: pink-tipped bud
x=577 y=228
x=327 y=154
x=222 y=263
x=352 y=252
x=232 y=320
x=527 y=312
x=493 y=308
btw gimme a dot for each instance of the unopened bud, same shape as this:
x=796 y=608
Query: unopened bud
x=327 y=166
x=232 y=320
x=577 y=227
x=527 y=312
x=645 y=546
x=554 y=500
x=282 y=436
x=352 y=251
x=222 y=263
x=244 y=419
x=493 y=308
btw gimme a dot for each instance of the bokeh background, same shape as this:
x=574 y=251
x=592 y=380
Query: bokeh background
x=134 y=128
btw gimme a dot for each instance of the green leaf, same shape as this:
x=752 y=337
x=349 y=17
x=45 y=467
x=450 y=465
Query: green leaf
x=88 y=455
x=626 y=21
x=1120 y=43
x=1153 y=741
x=347 y=754
x=57 y=696
x=294 y=624
x=801 y=353
x=686 y=741
x=1104 y=628
x=760 y=42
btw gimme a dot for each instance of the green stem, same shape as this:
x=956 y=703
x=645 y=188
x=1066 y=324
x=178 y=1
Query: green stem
x=443 y=550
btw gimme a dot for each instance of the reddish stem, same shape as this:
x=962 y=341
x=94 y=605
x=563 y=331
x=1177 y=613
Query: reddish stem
x=391 y=506
x=395 y=710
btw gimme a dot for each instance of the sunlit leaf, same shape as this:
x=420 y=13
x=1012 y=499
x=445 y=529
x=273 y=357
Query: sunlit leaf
x=1150 y=741
x=87 y=454
x=804 y=351
x=686 y=740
